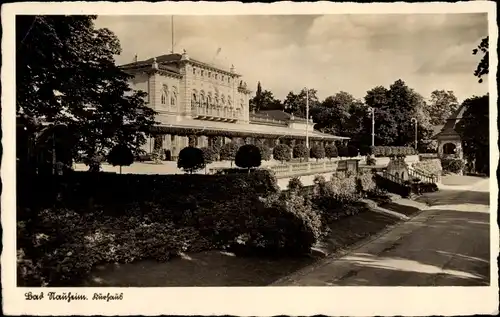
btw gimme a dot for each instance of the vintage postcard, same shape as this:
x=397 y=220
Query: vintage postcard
x=249 y=159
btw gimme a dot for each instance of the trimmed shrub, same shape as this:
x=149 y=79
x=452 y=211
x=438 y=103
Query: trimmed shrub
x=281 y=152
x=209 y=155
x=248 y=156
x=431 y=166
x=295 y=184
x=191 y=159
x=120 y=155
x=343 y=152
x=453 y=165
x=386 y=151
x=317 y=152
x=300 y=151
x=228 y=152
x=352 y=151
x=265 y=151
x=331 y=151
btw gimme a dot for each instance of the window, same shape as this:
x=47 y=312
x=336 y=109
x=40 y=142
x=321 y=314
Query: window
x=173 y=100
x=215 y=76
x=194 y=71
x=229 y=79
x=201 y=73
x=209 y=74
x=194 y=97
x=164 y=95
x=209 y=100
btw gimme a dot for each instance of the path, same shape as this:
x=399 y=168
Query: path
x=446 y=245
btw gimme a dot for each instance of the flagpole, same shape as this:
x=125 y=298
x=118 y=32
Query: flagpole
x=307 y=117
x=172 y=21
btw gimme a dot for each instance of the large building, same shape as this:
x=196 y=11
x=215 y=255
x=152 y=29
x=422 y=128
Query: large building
x=199 y=104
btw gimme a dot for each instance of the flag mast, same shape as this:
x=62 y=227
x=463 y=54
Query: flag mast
x=172 y=28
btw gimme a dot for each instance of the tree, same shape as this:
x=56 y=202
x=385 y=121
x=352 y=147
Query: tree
x=228 y=152
x=483 y=66
x=209 y=156
x=300 y=151
x=317 y=152
x=120 y=155
x=352 y=151
x=331 y=151
x=66 y=74
x=191 y=159
x=441 y=106
x=385 y=125
x=281 y=152
x=248 y=156
x=474 y=132
x=296 y=103
x=264 y=100
x=265 y=151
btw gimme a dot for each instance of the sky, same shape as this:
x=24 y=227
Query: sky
x=330 y=53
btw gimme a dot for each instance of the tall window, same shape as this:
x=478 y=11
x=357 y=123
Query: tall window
x=215 y=76
x=194 y=71
x=173 y=99
x=202 y=73
x=164 y=95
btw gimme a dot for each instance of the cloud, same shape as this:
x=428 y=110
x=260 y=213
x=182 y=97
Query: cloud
x=330 y=53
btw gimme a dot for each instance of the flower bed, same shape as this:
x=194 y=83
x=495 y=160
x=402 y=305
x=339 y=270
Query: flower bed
x=429 y=166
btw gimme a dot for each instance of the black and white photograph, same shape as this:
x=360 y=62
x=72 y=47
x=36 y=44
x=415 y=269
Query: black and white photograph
x=262 y=150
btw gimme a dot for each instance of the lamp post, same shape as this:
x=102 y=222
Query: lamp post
x=372 y=112
x=415 y=122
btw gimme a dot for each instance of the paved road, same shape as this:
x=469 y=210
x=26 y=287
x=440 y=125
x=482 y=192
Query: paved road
x=446 y=245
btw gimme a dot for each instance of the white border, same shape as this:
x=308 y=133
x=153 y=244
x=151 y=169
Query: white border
x=352 y=301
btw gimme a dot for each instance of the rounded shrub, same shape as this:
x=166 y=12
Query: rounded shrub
x=120 y=155
x=191 y=159
x=265 y=151
x=281 y=152
x=209 y=154
x=343 y=151
x=295 y=184
x=352 y=151
x=300 y=151
x=248 y=156
x=331 y=151
x=317 y=152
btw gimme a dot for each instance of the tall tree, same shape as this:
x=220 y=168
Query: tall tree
x=441 y=106
x=66 y=74
x=264 y=100
x=482 y=68
x=296 y=103
x=474 y=132
x=385 y=125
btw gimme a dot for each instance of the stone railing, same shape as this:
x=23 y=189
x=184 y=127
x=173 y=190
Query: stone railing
x=293 y=169
x=215 y=113
x=423 y=176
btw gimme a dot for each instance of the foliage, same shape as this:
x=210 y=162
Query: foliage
x=296 y=103
x=432 y=166
x=281 y=152
x=66 y=74
x=442 y=105
x=156 y=156
x=120 y=155
x=483 y=66
x=248 y=156
x=295 y=184
x=264 y=100
x=300 y=151
x=209 y=155
x=228 y=151
x=265 y=151
x=352 y=151
x=331 y=151
x=317 y=151
x=371 y=161
x=474 y=132
x=391 y=186
x=191 y=159
x=385 y=151
x=343 y=152
x=454 y=165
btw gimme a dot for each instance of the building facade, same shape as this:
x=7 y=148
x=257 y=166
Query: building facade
x=449 y=141
x=199 y=104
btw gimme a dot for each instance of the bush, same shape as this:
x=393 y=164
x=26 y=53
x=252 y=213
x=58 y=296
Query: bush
x=191 y=159
x=294 y=184
x=371 y=161
x=228 y=152
x=265 y=151
x=120 y=155
x=343 y=152
x=281 y=152
x=453 y=165
x=386 y=151
x=317 y=152
x=366 y=182
x=248 y=156
x=209 y=155
x=432 y=166
x=300 y=151
x=331 y=151
x=352 y=151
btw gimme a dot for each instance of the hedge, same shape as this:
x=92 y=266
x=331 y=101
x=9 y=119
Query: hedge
x=453 y=165
x=383 y=151
x=431 y=166
x=300 y=151
x=71 y=223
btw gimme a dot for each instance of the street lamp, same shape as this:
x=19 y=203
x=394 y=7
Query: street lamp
x=371 y=110
x=415 y=122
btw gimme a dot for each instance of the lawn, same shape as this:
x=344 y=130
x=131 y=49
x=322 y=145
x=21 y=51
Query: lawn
x=459 y=180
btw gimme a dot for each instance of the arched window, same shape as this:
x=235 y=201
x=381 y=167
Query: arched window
x=201 y=73
x=194 y=71
x=164 y=95
x=209 y=100
x=241 y=103
x=229 y=101
x=173 y=99
x=222 y=100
